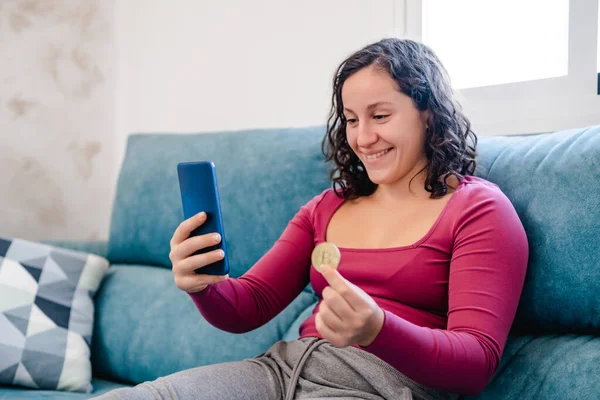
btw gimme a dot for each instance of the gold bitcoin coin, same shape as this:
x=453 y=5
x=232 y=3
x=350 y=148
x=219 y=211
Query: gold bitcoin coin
x=326 y=253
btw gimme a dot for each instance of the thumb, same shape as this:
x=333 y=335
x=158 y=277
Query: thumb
x=332 y=276
x=323 y=268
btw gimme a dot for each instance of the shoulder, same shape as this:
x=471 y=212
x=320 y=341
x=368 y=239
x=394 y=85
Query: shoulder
x=482 y=202
x=475 y=190
x=320 y=207
x=323 y=199
x=317 y=201
x=485 y=221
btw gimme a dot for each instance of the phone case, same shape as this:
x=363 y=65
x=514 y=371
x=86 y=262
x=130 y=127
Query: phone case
x=200 y=192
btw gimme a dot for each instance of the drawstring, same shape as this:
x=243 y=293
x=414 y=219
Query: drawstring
x=313 y=344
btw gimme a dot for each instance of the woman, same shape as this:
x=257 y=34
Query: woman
x=433 y=259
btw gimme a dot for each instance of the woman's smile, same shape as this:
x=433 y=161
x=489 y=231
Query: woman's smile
x=378 y=158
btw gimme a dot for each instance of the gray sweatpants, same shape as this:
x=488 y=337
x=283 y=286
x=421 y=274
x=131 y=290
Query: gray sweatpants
x=307 y=368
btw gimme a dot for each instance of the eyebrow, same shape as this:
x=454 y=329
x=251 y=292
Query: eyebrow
x=370 y=106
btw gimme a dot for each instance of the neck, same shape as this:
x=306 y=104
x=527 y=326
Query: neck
x=404 y=190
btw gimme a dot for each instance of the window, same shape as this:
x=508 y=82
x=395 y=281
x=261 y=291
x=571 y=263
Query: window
x=518 y=67
x=500 y=41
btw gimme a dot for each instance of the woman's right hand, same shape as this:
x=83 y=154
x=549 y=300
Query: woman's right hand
x=184 y=265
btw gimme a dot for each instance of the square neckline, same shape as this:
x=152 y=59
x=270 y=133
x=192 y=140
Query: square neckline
x=398 y=248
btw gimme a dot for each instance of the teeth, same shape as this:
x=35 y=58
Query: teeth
x=374 y=156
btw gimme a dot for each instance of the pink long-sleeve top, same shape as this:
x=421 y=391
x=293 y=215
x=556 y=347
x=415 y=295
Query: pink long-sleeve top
x=449 y=299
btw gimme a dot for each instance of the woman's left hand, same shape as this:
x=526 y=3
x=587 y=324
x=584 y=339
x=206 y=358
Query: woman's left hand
x=347 y=315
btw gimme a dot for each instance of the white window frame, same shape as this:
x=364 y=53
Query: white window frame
x=543 y=105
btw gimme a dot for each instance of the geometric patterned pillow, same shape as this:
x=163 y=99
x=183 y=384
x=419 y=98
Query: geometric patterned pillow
x=47 y=315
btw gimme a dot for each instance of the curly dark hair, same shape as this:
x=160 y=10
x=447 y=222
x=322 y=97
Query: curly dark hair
x=420 y=75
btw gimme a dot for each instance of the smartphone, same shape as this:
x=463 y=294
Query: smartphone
x=200 y=192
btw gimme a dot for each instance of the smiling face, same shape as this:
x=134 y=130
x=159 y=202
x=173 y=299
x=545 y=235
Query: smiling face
x=380 y=118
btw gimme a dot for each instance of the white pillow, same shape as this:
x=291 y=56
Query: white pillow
x=47 y=315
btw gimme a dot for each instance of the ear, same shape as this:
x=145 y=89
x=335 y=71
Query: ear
x=425 y=118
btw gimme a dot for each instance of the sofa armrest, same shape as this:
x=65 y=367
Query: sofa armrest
x=97 y=247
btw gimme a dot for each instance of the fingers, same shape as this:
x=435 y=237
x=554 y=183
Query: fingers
x=341 y=286
x=185 y=264
x=190 y=264
x=322 y=326
x=336 y=304
x=333 y=277
x=189 y=246
x=186 y=278
x=330 y=318
x=196 y=283
x=327 y=332
x=186 y=227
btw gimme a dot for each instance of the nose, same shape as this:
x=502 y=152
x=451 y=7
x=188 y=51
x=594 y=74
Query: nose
x=366 y=135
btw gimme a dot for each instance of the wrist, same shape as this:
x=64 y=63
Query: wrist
x=377 y=326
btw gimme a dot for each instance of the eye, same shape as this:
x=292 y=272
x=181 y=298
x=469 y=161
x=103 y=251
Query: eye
x=351 y=120
x=381 y=116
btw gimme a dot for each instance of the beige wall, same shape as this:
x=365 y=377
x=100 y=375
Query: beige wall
x=197 y=66
x=84 y=74
x=57 y=96
x=78 y=76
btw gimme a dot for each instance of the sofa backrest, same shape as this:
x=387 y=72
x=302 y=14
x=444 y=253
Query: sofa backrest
x=553 y=181
x=265 y=176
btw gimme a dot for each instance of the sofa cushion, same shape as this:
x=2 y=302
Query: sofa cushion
x=553 y=181
x=146 y=328
x=264 y=177
x=47 y=315
x=547 y=367
x=100 y=386
x=293 y=332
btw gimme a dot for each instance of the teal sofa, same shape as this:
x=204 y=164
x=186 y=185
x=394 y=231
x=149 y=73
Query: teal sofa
x=145 y=327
